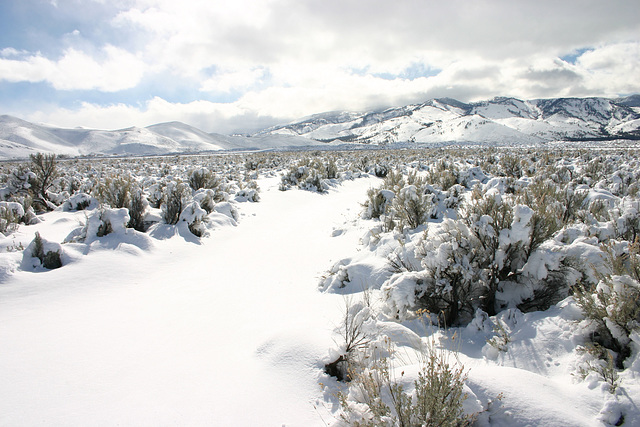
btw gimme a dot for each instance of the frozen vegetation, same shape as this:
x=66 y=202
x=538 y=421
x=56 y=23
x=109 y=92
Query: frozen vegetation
x=489 y=287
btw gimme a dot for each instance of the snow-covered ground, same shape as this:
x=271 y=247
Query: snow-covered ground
x=228 y=331
x=235 y=328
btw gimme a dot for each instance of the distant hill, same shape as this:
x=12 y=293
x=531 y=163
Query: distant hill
x=19 y=138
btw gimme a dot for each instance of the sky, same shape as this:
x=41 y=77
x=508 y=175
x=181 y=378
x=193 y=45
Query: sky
x=243 y=65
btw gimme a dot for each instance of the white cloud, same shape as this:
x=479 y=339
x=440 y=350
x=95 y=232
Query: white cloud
x=208 y=116
x=282 y=59
x=612 y=68
x=116 y=70
x=234 y=80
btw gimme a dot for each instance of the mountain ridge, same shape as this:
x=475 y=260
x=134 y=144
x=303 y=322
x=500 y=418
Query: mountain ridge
x=20 y=138
x=499 y=121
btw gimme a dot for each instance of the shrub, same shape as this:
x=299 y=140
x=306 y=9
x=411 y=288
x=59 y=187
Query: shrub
x=44 y=166
x=394 y=181
x=453 y=286
x=443 y=175
x=376 y=398
x=599 y=361
x=354 y=337
x=195 y=217
x=378 y=203
x=116 y=191
x=104 y=227
x=202 y=178
x=411 y=207
x=613 y=307
x=205 y=198
x=123 y=192
x=48 y=254
x=137 y=208
x=511 y=166
x=175 y=197
x=11 y=214
x=381 y=170
x=502 y=338
x=78 y=202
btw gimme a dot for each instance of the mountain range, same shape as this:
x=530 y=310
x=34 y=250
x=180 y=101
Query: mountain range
x=500 y=121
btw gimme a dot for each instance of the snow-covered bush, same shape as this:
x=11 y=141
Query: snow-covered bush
x=354 y=331
x=19 y=181
x=378 y=203
x=195 y=218
x=124 y=192
x=248 y=191
x=137 y=208
x=202 y=178
x=444 y=175
x=79 y=201
x=377 y=397
x=627 y=219
x=451 y=283
x=48 y=253
x=613 y=306
x=102 y=222
x=176 y=196
x=11 y=214
x=310 y=174
x=411 y=207
x=115 y=191
x=206 y=199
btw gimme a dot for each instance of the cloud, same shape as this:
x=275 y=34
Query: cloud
x=238 y=65
x=116 y=70
x=234 y=80
x=205 y=115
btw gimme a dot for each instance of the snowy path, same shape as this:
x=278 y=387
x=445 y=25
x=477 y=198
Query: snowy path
x=230 y=332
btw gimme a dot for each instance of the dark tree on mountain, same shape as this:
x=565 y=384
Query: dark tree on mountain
x=44 y=166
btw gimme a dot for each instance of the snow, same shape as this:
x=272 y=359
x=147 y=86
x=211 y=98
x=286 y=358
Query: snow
x=228 y=332
x=235 y=327
x=500 y=121
x=19 y=138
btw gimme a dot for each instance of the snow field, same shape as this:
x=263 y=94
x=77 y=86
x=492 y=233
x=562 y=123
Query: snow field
x=228 y=332
x=234 y=328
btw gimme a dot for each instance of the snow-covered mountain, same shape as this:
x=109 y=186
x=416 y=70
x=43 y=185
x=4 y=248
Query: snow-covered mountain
x=19 y=138
x=498 y=121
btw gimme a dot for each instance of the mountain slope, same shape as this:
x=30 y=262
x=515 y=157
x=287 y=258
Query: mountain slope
x=501 y=120
x=19 y=139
